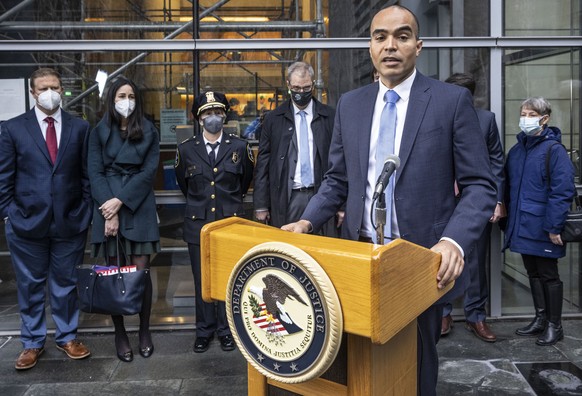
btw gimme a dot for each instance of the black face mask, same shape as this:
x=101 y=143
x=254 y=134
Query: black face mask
x=301 y=98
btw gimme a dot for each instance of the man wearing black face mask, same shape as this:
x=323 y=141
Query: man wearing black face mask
x=293 y=152
x=214 y=171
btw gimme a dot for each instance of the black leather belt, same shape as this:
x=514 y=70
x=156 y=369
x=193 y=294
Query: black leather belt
x=302 y=189
x=365 y=239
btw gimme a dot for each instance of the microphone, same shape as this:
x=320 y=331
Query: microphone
x=390 y=165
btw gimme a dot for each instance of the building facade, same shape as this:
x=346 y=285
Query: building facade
x=175 y=49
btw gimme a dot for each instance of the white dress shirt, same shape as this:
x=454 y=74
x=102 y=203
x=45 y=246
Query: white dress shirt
x=297 y=182
x=403 y=91
x=57 y=116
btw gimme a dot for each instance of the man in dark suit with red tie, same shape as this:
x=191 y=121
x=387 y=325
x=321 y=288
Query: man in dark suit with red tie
x=45 y=201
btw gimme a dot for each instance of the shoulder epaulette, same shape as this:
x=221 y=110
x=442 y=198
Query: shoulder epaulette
x=185 y=140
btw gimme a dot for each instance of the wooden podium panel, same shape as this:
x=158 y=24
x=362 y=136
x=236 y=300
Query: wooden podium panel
x=382 y=288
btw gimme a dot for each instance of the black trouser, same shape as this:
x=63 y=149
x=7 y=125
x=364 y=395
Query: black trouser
x=298 y=203
x=541 y=267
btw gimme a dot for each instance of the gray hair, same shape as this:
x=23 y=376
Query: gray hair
x=538 y=104
x=300 y=68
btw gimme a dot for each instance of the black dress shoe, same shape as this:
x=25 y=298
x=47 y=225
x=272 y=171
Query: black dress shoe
x=147 y=351
x=226 y=343
x=126 y=356
x=201 y=344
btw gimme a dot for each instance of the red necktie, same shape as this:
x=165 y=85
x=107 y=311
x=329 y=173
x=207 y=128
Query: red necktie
x=51 y=138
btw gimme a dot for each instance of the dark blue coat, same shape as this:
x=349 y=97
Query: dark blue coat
x=535 y=206
x=126 y=170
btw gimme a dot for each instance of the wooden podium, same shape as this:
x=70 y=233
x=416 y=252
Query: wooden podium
x=382 y=290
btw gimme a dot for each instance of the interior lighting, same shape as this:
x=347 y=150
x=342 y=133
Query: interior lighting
x=229 y=19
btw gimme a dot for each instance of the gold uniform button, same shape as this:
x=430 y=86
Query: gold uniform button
x=213 y=210
x=215 y=170
x=213 y=196
x=212 y=183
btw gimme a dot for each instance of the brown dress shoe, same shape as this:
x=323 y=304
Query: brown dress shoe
x=481 y=330
x=446 y=325
x=28 y=358
x=74 y=349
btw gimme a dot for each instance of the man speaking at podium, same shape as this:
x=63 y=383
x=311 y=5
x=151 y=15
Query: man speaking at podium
x=434 y=130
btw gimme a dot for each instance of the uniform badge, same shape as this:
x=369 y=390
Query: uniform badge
x=250 y=154
x=235 y=157
x=177 y=160
x=210 y=97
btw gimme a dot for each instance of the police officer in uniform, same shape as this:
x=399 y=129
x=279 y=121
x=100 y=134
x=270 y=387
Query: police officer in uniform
x=214 y=171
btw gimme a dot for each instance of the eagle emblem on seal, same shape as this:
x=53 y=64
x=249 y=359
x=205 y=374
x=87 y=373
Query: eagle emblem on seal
x=271 y=315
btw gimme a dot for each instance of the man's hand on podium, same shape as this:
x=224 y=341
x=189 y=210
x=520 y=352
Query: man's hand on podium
x=452 y=263
x=300 y=227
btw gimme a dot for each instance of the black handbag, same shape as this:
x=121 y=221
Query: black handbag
x=572 y=231
x=113 y=290
x=573 y=226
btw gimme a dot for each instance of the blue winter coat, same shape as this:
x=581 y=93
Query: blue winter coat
x=536 y=207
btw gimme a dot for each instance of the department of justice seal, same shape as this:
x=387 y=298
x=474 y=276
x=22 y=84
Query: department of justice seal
x=284 y=313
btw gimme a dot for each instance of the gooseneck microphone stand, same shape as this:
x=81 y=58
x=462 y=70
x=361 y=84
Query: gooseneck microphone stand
x=380 y=217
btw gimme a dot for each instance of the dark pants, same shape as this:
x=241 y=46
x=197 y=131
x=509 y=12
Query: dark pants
x=40 y=262
x=210 y=317
x=297 y=204
x=429 y=332
x=541 y=267
x=477 y=293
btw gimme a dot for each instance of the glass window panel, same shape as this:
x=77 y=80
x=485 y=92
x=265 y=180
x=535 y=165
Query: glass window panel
x=236 y=19
x=256 y=79
x=553 y=73
x=542 y=18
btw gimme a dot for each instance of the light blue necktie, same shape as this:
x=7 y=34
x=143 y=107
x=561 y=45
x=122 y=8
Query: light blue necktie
x=304 y=160
x=384 y=148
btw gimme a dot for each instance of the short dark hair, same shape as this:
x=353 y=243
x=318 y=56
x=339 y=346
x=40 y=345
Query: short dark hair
x=44 y=72
x=463 y=80
x=135 y=119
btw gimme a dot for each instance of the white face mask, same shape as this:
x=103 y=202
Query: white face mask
x=530 y=125
x=49 y=99
x=125 y=107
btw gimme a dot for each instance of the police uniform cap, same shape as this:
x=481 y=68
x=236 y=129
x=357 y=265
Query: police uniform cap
x=209 y=100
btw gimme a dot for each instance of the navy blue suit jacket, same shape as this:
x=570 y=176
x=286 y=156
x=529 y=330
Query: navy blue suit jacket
x=496 y=156
x=441 y=142
x=33 y=191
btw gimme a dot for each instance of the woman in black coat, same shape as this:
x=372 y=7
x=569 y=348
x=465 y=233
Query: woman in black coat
x=123 y=161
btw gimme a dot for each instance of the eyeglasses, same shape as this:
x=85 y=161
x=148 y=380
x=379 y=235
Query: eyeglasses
x=302 y=89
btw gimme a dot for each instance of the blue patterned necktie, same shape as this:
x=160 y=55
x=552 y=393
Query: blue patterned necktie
x=384 y=148
x=304 y=154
